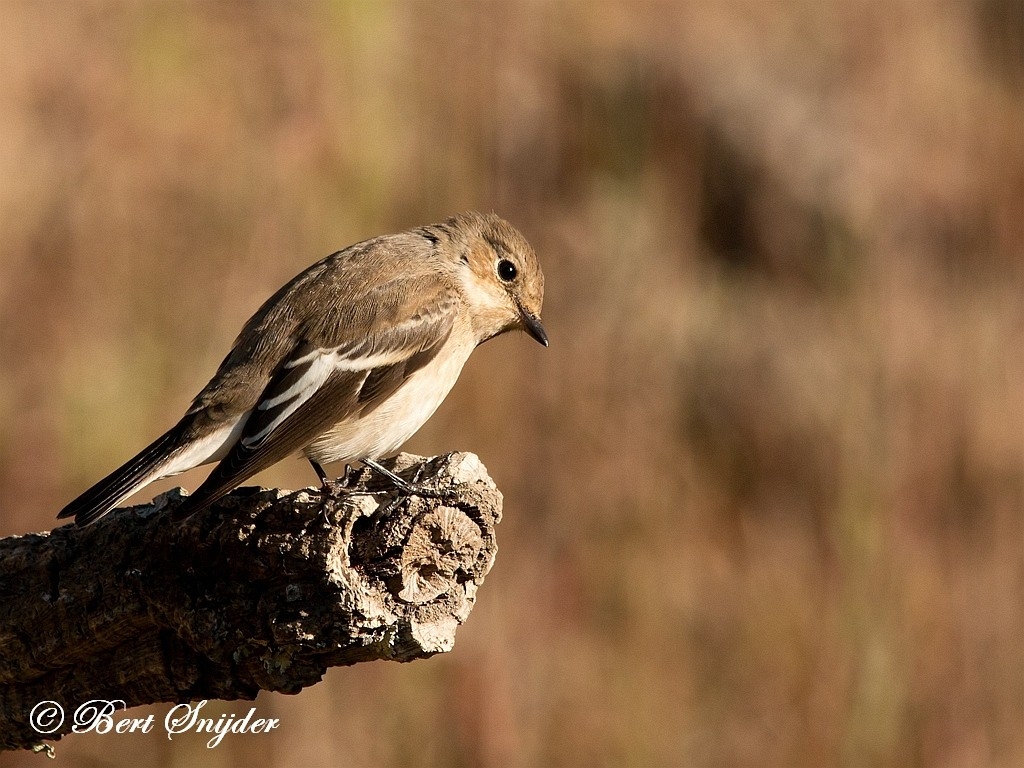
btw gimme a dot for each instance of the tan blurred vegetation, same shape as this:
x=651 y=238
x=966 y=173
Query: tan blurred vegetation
x=764 y=491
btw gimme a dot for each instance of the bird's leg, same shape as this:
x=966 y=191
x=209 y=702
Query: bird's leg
x=409 y=489
x=334 y=486
x=326 y=485
x=324 y=481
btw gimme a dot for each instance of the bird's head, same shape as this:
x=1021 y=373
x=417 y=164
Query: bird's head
x=500 y=275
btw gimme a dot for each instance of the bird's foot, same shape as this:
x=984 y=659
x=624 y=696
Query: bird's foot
x=343 y=486
x=333 y=487
x=405 y=487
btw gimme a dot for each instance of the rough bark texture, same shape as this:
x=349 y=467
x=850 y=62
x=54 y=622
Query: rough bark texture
x=265 y=591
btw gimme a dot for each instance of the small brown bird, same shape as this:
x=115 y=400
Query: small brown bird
x=346 y=361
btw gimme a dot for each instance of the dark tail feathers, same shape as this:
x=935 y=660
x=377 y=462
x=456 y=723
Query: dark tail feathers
x=121 y=483
x=193 y=503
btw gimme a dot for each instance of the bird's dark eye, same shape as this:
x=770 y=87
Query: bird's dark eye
x=507 y=270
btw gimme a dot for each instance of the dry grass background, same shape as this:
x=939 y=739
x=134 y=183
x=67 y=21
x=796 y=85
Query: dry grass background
x=763 y=493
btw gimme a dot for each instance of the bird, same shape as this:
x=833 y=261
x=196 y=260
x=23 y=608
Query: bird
x=346 y=361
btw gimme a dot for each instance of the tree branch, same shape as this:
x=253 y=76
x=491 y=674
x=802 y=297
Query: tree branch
x=264 y=591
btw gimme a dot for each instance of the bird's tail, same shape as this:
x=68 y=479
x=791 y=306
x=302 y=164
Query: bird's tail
x=197 y=501
x=137 y=472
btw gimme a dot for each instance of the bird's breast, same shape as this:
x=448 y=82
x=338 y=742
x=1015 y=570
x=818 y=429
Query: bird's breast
x=382 y=431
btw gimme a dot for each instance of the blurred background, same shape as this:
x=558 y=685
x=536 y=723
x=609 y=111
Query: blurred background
x=764 y=492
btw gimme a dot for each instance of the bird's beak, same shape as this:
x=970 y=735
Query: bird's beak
x=531 y=323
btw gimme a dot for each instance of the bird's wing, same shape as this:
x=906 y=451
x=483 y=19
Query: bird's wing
x=320 y=383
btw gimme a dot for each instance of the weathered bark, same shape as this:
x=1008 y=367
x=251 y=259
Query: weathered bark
x=265 y=591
